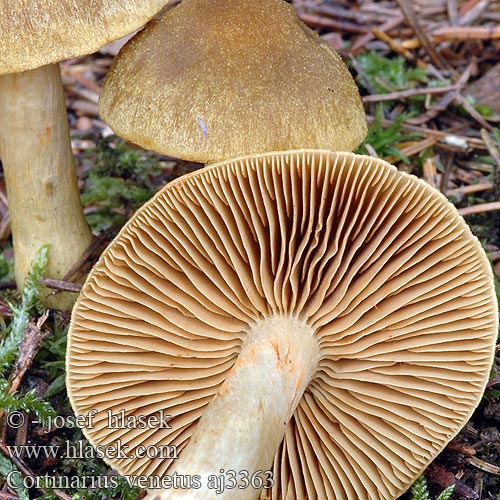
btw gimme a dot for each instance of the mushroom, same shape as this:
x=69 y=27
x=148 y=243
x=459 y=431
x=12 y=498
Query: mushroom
x=316 y=316
x=212 y=79
x=42 y=188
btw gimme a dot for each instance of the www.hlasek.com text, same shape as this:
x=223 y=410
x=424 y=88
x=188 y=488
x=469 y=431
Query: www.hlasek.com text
x=82 y=450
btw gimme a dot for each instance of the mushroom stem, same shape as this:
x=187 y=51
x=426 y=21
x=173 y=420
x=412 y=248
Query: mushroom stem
x=42 y=188
x=243 y=426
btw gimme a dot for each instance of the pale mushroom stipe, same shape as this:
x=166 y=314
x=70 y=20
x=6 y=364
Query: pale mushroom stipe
x=317 y=316
x=213 y=79
x=35 y=146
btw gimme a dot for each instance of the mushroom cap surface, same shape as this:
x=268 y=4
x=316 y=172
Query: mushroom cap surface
x=398 y=291
x=211 y=80
x=34 y=33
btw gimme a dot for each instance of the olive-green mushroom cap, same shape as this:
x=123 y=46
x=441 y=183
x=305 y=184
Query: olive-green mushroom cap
x=34 y=33
x=212 y=79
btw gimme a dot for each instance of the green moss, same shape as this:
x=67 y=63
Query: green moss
x=384 y=140
x=120 y=181
x=420 y=491
x=395 y=72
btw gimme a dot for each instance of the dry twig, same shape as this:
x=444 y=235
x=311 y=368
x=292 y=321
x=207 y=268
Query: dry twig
x=466 y=33
x=412 y=21
x=403 y=94
x=390 y=24
x=28 y=349
x=478 y=209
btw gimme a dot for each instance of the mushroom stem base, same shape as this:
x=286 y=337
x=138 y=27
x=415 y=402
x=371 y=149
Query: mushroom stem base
x=238 y=435
x=40 y=175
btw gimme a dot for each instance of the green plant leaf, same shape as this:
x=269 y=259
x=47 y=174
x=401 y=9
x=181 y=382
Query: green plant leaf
x=446 y=493
x=12 y=476
x=419 y=490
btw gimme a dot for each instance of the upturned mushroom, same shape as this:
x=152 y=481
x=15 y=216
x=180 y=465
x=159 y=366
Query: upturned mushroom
x=38 y=164
x=311 y=322
x=216 y=79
